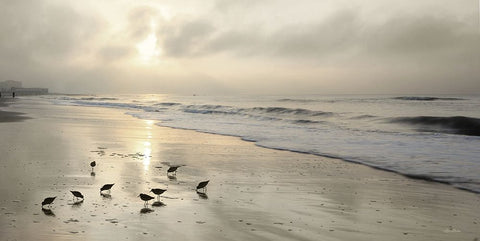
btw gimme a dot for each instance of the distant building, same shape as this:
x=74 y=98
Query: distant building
x=30 y=91
x=9 y=87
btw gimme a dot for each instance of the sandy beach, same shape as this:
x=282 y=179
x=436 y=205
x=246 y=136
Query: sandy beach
x=254 y=193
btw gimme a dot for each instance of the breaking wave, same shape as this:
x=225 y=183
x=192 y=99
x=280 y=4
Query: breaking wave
x=452 y=125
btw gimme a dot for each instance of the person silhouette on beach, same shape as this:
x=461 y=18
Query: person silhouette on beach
x=13 y=94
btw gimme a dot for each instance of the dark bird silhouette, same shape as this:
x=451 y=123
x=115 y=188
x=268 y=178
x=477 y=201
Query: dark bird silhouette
x=107 y=187
x=145 y=198
x=158 y=191
x=77 y=194
x=93 y=164
x=203 y=185
x=48 y=201
x=172 y=169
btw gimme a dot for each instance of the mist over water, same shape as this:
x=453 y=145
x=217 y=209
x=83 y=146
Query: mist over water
x=431 y=137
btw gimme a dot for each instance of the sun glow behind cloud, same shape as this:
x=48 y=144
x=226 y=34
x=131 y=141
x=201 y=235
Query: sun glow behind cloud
x=148 y=49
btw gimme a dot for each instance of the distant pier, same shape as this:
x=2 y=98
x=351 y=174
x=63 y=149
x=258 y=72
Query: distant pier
x=12 y=88
x=23 y=92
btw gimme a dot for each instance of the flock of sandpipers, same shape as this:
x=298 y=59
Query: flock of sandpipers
x=172 y=170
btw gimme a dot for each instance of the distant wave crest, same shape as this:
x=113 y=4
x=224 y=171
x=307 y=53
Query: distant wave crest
x=424 y=98
x=167 y=104
x=296 y=100
x=68 y=98
x=452 y=125
x=306 y=122
x=360 y=117
x=297 y=111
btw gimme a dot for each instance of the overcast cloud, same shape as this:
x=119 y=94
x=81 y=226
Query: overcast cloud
x=257 y=47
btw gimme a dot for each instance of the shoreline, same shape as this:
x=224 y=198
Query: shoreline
x=255 y=193
x=410 y=176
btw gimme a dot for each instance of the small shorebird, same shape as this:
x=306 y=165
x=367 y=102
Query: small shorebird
x=158 y=192
x=93 y=164
x=145 y=198
x=172 y=169
x=203 y=185
x=77 y=194
x=106 y=187
x=48 y=201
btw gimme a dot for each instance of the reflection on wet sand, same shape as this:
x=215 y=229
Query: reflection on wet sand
x=77 y=203
x=106 y=195
x=158 y=204
x=146 y=210
x=48 y=212
x=202 y=195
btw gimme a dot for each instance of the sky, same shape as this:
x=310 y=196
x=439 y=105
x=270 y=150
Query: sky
x=217 y=47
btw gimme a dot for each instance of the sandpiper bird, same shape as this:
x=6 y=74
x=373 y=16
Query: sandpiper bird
x=172 y=169
x=145 y=198
x=48 y=201
x=93 y=164
x=77 y=194
x=107 y=187
x=203 y=185
x=158 y=191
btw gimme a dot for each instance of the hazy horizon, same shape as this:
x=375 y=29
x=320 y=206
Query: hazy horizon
x=248 y=47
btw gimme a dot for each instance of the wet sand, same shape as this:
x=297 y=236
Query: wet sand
x=9 y=116
x=254 y=193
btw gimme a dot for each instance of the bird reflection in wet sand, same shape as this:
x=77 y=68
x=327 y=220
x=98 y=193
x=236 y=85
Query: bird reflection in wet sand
x=106 y=195
x=172 y=177
x=77 y=203
x=146 y=210
x=202 y=195
x=48 y=212
x=92 y=174
x=158 y=204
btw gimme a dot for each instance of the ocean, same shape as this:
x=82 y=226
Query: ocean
x=435 y=138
